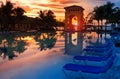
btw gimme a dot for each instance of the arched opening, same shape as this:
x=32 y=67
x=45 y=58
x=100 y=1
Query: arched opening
x=75 y=21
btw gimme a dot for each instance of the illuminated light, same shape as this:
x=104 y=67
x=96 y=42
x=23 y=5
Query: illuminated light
x=76 y=24
x=74 y=21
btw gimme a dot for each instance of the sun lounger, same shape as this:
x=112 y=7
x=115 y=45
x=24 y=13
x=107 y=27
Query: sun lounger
x=94 y=58
x=109 y=44
x=89 y=69
x=99 y=48
x=96 y=49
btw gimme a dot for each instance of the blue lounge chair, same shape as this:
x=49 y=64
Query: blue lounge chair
x=89 y=69
x=103 y=46
x=97 y=49
x=108 y=44
x=94 y=58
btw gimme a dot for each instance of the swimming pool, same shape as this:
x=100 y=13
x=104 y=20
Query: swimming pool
x=37 y=58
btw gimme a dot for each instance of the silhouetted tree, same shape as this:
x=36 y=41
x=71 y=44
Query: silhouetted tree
x=18 y=12
x=109 y=9
x=6 y=14
x=107 y=12
x=98 y=14
x=115 y=16
x=47 y=19
x=10 y=15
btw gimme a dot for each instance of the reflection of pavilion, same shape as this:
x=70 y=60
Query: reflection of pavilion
x=73 y=22
x=73 y=43
x=73 y=18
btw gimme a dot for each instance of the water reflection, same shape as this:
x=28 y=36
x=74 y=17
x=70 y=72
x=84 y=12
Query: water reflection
x=73 y=42
x=116 y=38
x=11 y=45
x=77 y=41
x=46 y=40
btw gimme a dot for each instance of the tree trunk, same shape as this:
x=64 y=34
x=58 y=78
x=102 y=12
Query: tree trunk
x=98 y=25
x=101 y=24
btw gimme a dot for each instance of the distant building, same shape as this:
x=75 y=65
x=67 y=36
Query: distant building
x=74 y=18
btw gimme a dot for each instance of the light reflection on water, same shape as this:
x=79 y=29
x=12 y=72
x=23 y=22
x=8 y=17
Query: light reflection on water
x=14 y=44
x=75 y=42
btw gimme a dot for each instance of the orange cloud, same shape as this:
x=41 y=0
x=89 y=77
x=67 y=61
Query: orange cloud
x=33 y=6
x=65 y=1
x=27 y=8
x=58 y=6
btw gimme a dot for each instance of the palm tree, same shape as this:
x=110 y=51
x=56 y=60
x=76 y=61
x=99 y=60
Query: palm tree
x=104 y=12
x=47 y=19
x=118 y=15
x=109 y=10
x=51 y=18
x=10 y=15
x=98 y=14
x=42 y=18
x=115 y=17
x=18 y=12
x=7 y=9
x=18 y=15
x=6 y=13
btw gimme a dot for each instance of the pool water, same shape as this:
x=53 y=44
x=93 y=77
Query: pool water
x=42 y=55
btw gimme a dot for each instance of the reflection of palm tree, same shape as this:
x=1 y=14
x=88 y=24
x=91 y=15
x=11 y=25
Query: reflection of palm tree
x=20 y=46
x=10 y=46
x=51 y=42
x=11 y=52
x=1 y=38
x=3 y=50
x=46 y=42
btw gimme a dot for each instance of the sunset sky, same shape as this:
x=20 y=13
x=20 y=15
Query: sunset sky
x=32 y=7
